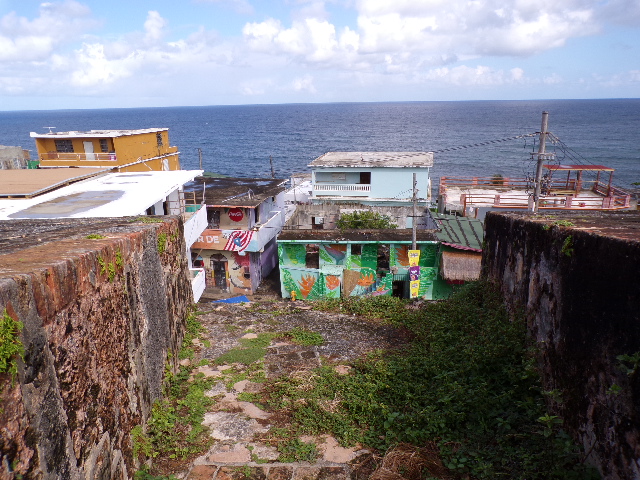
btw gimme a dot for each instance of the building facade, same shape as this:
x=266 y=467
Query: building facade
x=238 y=247
x=331 y=264
x=371 y=178
x=126 y=150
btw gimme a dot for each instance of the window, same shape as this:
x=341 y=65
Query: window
x=104 y=145
x=356 y=249
x=64 y=146
x=365 y=178
x=313 y=256
x=213 y=218
x=159 y=138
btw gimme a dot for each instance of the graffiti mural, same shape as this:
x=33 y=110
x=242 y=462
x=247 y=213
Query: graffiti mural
x=351 y=269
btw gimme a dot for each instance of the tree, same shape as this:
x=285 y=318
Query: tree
x=365 y=220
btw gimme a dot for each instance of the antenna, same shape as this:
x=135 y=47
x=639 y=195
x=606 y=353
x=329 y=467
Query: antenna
x=50 y=128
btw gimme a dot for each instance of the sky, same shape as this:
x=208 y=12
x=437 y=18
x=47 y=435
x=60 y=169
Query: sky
x=137 y=53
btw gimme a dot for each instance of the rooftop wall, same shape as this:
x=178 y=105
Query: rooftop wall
x=576 y=279
x=99 y=317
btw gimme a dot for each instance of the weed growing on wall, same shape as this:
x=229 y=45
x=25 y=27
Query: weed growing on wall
x=467 y=382
x=162 y=242
x=11 y=347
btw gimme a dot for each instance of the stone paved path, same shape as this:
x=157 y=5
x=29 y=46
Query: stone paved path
x=237 y=426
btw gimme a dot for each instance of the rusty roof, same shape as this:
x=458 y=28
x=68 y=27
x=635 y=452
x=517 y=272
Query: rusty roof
x=355 y=236
x=27 y=183
x=374 y=159
x=234 y=192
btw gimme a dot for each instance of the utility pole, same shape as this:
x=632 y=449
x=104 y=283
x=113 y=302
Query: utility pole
x=541 y=158
x=414 y=223
x=273 y=173
x=200 y=157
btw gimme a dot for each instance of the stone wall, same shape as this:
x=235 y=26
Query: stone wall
x=579 y=287
x=99 y=317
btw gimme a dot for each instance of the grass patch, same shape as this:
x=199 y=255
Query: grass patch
x=252 y=350
x=174 y=429
x=467 y=382
x=304 y=337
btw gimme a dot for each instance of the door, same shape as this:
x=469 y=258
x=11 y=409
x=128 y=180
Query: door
x=219 y=271
x=88 y=151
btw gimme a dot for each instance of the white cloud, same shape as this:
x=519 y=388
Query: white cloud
x=481 y=75
x=304 y=84
x=24 y=40
x=153 y=28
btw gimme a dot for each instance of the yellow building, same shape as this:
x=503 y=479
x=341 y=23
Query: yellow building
x=126 y=150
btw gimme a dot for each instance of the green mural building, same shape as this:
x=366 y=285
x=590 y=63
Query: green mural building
x=330 y=264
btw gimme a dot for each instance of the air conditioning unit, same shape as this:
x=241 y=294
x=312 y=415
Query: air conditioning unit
x=319 y=220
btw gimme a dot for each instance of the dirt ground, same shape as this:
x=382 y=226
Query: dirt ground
x=237 y=426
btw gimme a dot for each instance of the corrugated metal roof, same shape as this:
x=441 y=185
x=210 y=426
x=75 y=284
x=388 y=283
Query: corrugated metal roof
x=374 y=159
x=460 y=232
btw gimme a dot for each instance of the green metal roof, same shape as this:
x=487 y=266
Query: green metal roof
x=460 y=232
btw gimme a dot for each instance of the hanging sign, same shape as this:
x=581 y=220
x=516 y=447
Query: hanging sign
x=414 y=273
x=236 y=214
x=414 y=257
x=415 y=288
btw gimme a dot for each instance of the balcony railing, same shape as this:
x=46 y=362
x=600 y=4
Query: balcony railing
x=78 y=157
x=344 y=188
x=198 y=282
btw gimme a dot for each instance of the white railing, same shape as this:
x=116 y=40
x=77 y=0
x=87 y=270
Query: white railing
x=194 y=224
x=268 y=230
x=355 y=187
x=79 y=157
x=198 y=282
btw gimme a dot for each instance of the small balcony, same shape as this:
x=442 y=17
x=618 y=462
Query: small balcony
x=342 y=190
x=195 y=222
x=78 y=157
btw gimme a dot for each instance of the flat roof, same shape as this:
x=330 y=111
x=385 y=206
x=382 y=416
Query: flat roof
x=234 y=192
x=96 y=133
x=27 y=183
x=374 y=159
x=355 y=236
x=110 y=195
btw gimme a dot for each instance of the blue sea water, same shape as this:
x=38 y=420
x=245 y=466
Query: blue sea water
x=238 y=140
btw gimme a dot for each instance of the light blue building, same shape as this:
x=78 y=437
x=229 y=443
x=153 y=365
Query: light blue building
x=371 y=178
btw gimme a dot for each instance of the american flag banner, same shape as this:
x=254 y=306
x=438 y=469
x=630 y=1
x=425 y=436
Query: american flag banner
x=237 y=240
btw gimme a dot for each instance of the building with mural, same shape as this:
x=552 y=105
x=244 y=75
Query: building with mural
x=371 y=178
x=125 y=150
x=238 y=247
x=332 y=263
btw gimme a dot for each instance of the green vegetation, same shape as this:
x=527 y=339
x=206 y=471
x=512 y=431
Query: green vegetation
x=366 y=220
x=297 y=451
x=629 y=363
x=162 y=242
x=11 y=347
x=252 y=350
x=175 y=429
x=567 y=246
x=95 y=236
x=304 y=337
x=148 y=220
x=497 y=179
x=467 y=382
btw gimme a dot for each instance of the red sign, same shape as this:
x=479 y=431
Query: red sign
x=236 y=214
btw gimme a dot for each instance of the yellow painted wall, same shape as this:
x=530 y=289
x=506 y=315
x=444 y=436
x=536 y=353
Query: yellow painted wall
x=128 y=149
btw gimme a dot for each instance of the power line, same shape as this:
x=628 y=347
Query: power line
x=489 y=142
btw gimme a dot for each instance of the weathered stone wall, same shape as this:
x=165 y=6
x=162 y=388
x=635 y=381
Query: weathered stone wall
x=99 y=317
x=579 y=287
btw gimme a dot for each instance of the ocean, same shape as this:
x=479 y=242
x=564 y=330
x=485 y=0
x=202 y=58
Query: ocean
x=239 y=140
